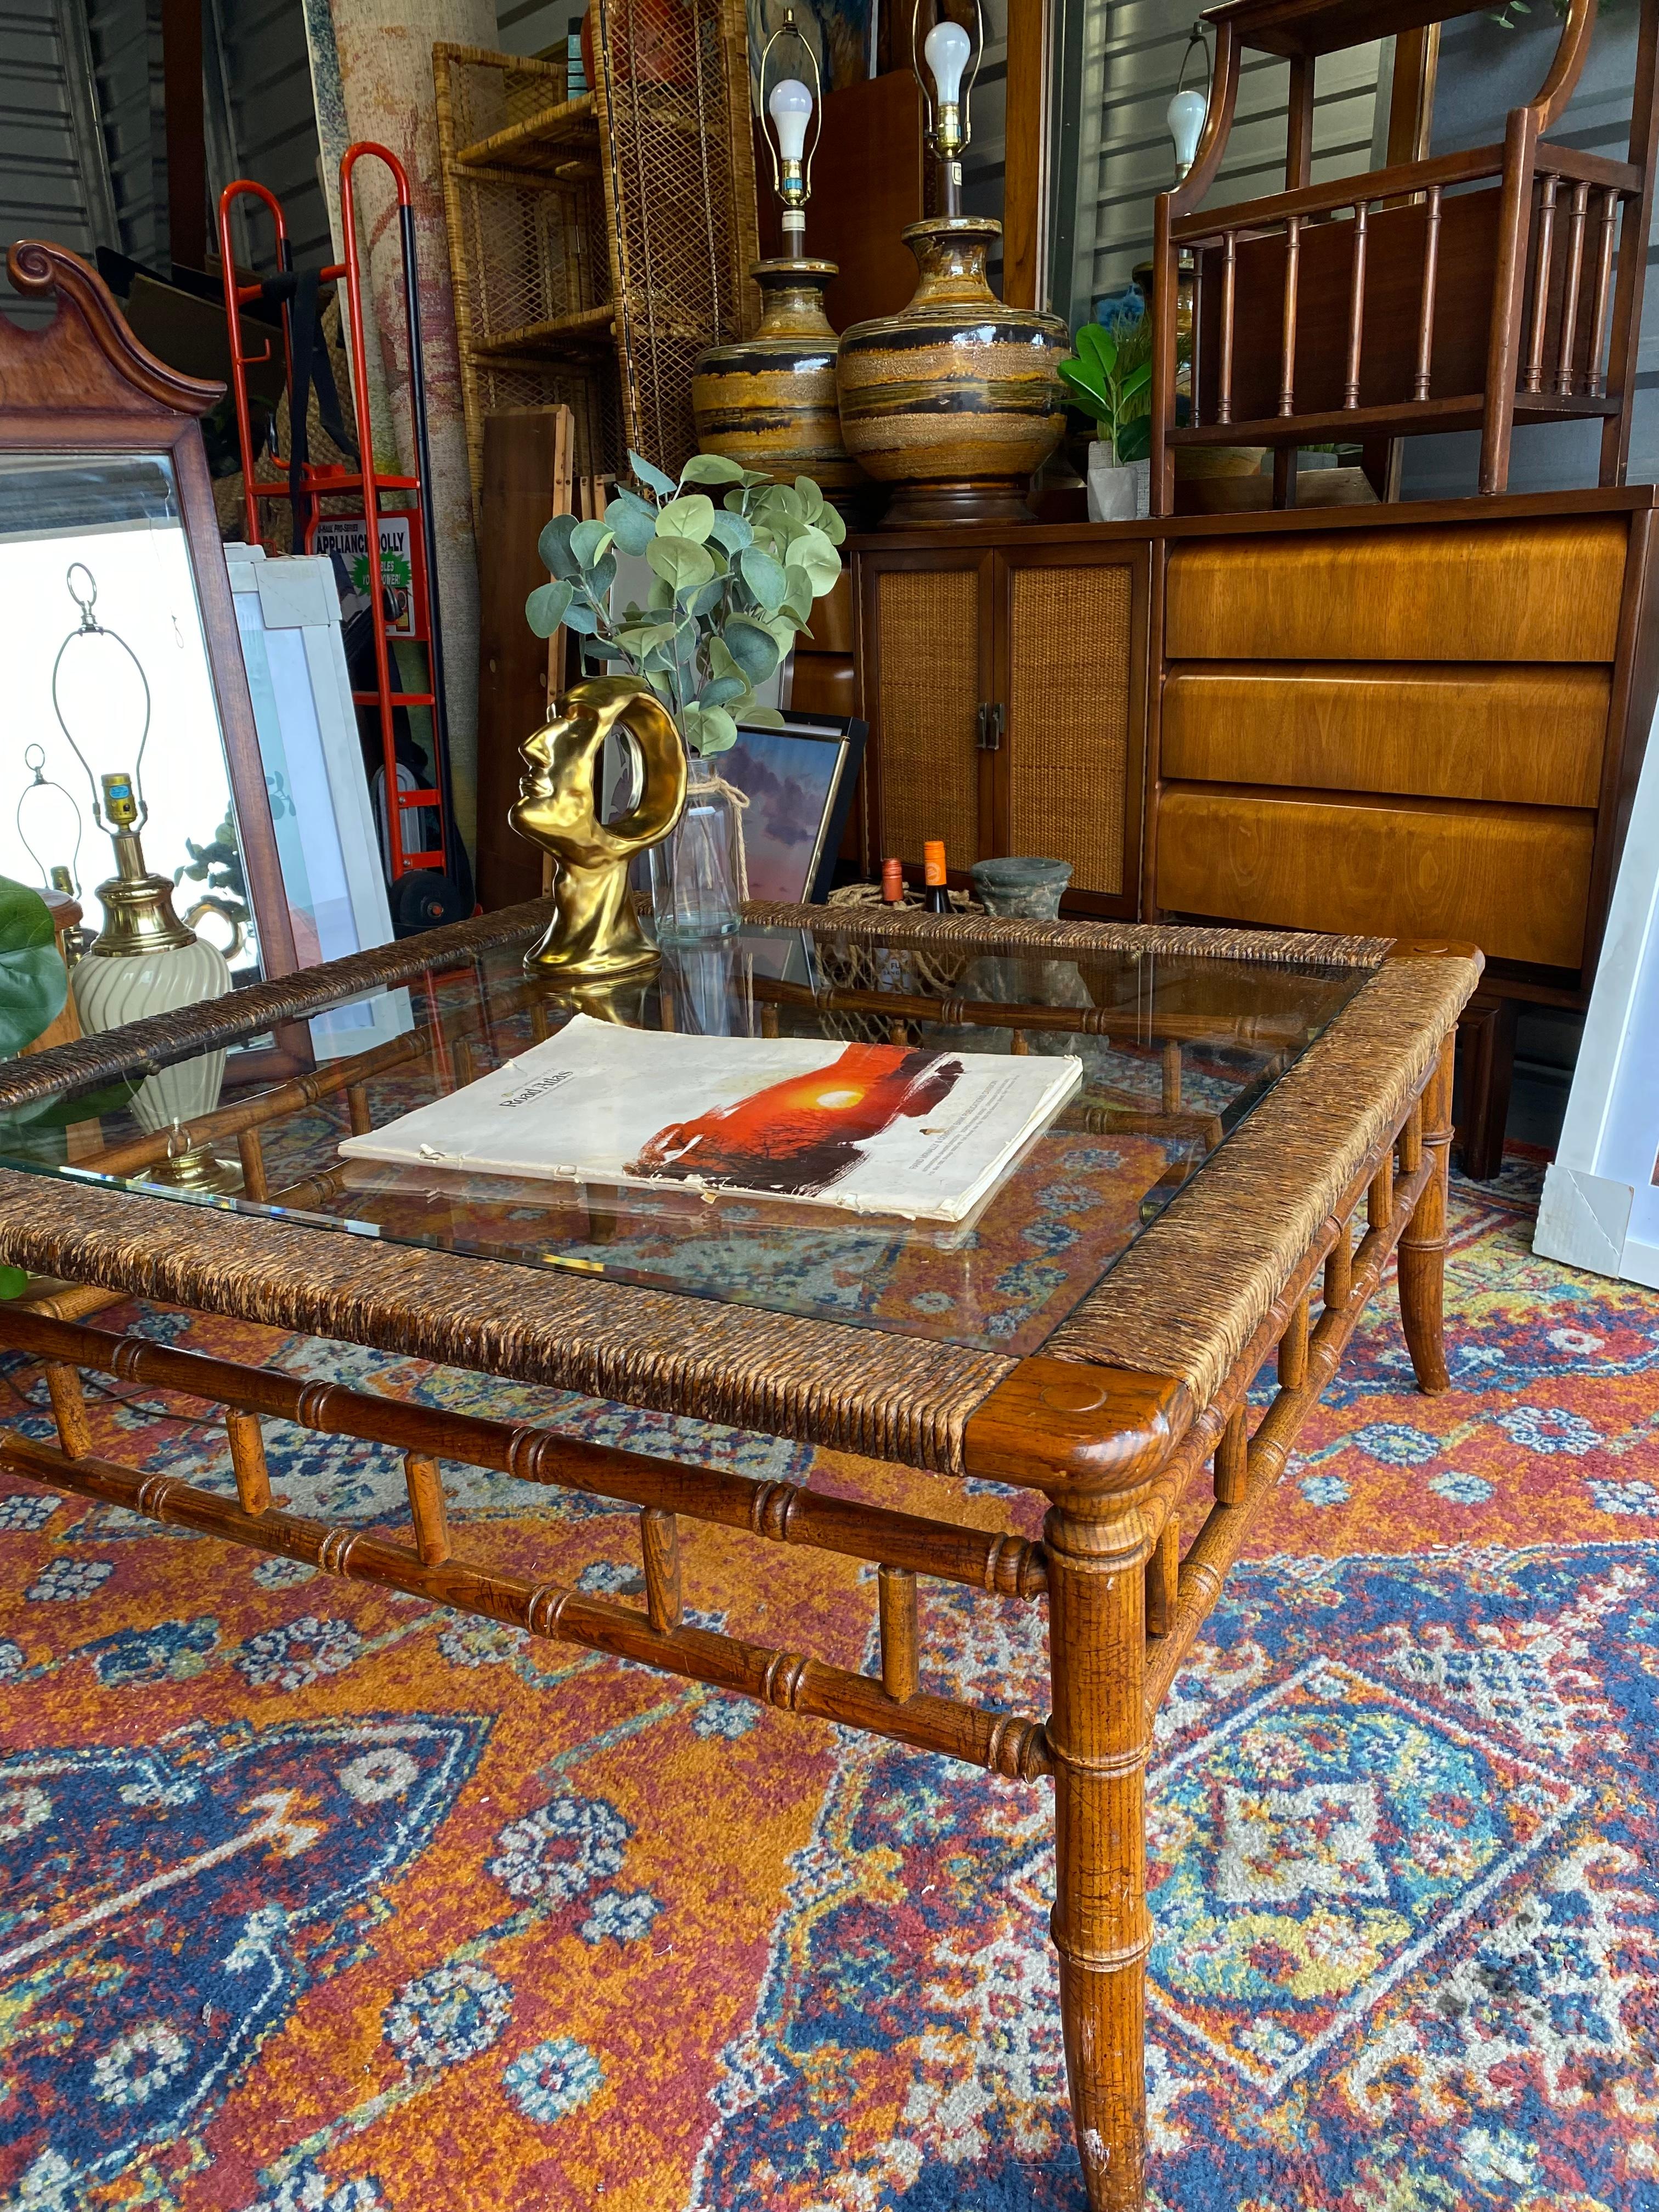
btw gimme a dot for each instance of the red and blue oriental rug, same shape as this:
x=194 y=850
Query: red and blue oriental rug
x=313 y=1900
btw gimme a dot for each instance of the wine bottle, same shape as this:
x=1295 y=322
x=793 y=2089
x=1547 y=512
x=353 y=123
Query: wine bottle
x=935 y=898
x=892 y=882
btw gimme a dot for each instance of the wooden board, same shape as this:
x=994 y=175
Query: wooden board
x=1513 y=880
x=1528 y=734
x=527 y=457
x=1543 y=590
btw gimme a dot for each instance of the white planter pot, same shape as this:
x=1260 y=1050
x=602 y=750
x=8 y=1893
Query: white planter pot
x=1118 y=491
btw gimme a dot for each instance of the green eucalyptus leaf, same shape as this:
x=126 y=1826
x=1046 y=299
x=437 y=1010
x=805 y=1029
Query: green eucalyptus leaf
x=753 y=646
x=589 y=542
x=722 y=662
x=692 y=517
x=730 y=531
x=652 y=478
x=798 y=595
x=598 y=580
x=765 y=577
x=546 y=607
x=553 y=547
x=811 y=499
x=764 y=718
x=712 y=469
x=703 y=603
x=831 y=523
x=811 y=551
x=660 y=596
x=716 y=731
x=721 y=690
x=580 y=617
x=684 y=563
x=633 y=522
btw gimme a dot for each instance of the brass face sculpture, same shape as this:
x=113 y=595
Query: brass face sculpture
x=593 y=936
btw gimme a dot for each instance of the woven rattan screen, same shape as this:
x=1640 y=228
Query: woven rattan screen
x=1068 y=718
x=928 y=705
x=598 y=245
x=674 y=111
x=528 y=256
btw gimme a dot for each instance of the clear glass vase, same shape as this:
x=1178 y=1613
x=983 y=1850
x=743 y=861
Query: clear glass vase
x=697 y=872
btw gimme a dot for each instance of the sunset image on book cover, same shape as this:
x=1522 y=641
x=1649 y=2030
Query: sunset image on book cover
x=873 y=1128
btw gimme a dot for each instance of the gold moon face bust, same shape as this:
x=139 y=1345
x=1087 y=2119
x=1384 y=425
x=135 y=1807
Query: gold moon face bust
x=593 y=936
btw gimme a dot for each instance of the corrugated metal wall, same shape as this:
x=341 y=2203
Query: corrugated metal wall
x=1124 y=61
x=54 y=182
x=263 y=95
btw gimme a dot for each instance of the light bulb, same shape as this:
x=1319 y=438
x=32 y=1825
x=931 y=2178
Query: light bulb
x=1185 y=115
x=945 y=51
x=791 y=110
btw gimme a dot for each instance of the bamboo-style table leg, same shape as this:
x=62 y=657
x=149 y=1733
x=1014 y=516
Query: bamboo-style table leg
x=1097 y=1553
x=1422 y=1254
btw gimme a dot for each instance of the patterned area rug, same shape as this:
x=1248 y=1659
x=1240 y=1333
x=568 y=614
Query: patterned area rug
x=313 y=1900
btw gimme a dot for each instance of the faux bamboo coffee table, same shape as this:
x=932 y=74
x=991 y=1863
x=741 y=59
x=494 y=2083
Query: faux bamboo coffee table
x=1263 y=1124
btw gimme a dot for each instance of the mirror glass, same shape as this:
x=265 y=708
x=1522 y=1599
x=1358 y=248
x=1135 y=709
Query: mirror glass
x=98 y=607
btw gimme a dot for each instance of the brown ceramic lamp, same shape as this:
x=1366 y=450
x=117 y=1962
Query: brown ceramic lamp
x=770 y=401
x=957 y=400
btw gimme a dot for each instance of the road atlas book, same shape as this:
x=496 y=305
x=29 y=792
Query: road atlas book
x=875 y=1129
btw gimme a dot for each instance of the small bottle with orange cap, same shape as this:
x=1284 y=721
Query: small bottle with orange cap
x=935 y=898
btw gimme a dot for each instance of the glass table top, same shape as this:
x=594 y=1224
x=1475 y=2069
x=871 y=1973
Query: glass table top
x=1176 y=1050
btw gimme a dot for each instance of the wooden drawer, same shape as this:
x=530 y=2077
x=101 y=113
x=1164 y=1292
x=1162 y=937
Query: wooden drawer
x=1546 y=589
x=1530 y=735
x=1514 y=879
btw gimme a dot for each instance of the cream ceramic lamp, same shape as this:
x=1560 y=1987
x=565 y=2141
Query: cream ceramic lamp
x=144 y=961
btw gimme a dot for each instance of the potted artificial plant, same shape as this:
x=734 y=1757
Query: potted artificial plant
x=1110 y=377
x=736 y=562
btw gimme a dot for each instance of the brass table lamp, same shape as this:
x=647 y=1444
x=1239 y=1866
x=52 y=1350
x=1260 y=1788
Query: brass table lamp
x=594 y=936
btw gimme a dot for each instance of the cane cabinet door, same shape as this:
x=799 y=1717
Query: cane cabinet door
x=925 y=622
x=1005 y=687
x=1069 y=712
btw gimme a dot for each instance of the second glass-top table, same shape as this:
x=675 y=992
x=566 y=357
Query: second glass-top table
x=1175 y=1047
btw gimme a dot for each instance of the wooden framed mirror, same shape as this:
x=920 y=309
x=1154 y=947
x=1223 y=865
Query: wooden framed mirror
x=104 y=486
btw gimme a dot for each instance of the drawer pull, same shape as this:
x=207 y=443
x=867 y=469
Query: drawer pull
x=990 y=727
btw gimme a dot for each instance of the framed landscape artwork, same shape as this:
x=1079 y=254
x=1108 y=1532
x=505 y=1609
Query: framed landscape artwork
x=799 y=784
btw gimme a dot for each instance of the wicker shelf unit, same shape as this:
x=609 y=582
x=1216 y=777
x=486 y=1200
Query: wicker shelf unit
x=598 y=245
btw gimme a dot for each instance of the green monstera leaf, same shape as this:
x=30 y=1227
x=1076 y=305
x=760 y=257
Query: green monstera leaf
x=33 y=983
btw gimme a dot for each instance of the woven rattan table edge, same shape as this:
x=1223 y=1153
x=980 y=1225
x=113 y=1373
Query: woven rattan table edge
x=818 y=1382
x=1190 y=1292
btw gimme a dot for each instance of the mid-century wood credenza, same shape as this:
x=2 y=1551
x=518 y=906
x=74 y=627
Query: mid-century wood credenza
x=1421 y=719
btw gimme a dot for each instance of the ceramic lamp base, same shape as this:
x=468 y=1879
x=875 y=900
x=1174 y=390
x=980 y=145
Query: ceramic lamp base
x=769 y=402
x=925 y=505
x=957 y=401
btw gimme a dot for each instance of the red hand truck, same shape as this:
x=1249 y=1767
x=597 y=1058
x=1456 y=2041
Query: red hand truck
x=431 y=882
